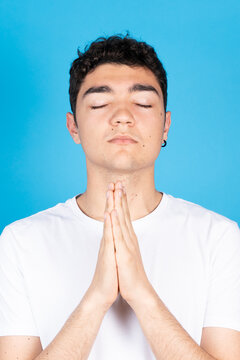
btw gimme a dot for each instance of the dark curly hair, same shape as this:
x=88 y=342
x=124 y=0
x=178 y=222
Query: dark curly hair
x=115 y=49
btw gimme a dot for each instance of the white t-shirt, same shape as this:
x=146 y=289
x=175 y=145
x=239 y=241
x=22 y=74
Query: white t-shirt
x=191 y=256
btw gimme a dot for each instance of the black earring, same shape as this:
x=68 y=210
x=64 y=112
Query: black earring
x=165 y=143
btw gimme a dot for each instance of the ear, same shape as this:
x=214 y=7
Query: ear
x=72 y=128
x=167 y=125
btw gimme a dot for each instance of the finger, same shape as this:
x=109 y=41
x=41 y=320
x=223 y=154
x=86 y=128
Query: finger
x=109 y=201
x=117 y=231
x=121 y=219
x=107 y=231
x=127 y=213
x=111 y=186
x=121 y=215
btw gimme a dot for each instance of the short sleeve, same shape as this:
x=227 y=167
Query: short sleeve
x=223 y=300
x=15 y=312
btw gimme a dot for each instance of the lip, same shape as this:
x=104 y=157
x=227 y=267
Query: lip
x=122 y=139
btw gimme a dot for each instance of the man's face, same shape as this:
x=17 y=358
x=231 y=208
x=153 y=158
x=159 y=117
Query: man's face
x=113 y=110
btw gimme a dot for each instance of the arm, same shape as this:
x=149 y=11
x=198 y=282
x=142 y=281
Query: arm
x=167 y=338
x=77 y=336
x=74 y=341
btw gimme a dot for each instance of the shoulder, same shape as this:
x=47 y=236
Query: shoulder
x=200 y=217
x=40 y=220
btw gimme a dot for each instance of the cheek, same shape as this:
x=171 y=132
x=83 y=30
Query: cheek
x=152 y=132
x=151 y=128
x=93 y=133
x=152 y=143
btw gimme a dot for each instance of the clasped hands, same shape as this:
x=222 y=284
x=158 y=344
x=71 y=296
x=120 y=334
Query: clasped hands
x=132 y=279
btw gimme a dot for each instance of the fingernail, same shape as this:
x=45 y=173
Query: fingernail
x=120 y=193
x=107 y=194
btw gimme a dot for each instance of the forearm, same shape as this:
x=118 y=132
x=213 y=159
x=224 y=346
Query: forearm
x=167 y=338
x=74 y=341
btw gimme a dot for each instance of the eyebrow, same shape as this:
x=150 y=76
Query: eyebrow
x=133 y=88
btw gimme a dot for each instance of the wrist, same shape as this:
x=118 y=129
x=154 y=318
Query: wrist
x=143 y=297
x=92 y=301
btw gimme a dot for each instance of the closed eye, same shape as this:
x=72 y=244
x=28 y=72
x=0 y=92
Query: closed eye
x=145 y=106
x=97 y=107
x=100 y=106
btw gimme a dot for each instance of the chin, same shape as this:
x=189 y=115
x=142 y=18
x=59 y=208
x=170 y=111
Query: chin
x=123 y=166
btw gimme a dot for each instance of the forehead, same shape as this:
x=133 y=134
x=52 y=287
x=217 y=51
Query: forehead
x=119 y=75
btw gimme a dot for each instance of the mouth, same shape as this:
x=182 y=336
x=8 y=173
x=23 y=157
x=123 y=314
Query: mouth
x=122 y=141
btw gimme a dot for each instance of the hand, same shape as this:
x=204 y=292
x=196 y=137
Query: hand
x=105 y=279
x=133 y=281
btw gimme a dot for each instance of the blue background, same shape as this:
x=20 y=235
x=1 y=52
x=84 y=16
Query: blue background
x=198 y=43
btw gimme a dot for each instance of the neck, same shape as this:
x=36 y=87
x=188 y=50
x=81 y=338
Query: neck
x=142 y=196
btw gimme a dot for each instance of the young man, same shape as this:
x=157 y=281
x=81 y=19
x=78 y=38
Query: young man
x=137 y=274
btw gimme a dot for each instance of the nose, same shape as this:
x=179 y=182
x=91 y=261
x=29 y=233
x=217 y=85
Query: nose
x=122 y=116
